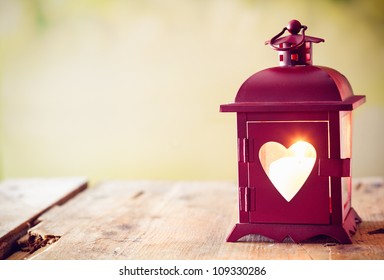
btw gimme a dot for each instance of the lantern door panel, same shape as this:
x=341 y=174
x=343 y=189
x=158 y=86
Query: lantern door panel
x=283 y=172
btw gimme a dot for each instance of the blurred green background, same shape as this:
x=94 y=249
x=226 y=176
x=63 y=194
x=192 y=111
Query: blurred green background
x=131 y=89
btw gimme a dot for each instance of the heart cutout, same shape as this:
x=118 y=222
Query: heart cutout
x=287 y=169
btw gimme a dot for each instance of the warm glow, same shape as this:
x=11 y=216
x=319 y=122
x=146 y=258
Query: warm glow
x=288 y=169
x=303 y=149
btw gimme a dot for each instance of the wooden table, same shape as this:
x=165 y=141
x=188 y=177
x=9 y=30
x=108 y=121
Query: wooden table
x=158 y=220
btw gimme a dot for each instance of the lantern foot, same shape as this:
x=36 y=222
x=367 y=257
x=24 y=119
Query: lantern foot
x=298 y=232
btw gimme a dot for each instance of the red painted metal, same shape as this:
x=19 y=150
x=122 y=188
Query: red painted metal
x=295 y=101
x=311 y=204
x=335 y=167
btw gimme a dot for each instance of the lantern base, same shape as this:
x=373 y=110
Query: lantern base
x=298 y=232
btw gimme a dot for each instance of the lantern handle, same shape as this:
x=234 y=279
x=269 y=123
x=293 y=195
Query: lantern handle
x=293 y=30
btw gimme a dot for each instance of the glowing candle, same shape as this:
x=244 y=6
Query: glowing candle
x=288 y=174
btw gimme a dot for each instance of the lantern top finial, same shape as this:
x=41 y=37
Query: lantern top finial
x=294 y=49
x=294 y=26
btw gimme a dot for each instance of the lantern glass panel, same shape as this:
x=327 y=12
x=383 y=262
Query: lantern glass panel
x=287 y=168
x=346 y=152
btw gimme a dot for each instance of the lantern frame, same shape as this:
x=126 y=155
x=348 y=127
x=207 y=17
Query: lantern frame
x=286 y=104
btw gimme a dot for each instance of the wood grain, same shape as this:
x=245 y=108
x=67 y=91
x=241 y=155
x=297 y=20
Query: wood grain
x=22 y=201
x=185 y=220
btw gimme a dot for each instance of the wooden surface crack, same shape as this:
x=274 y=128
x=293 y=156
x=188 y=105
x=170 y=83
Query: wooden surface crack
x=306 y=251
x=377 y=231
x=33 y=241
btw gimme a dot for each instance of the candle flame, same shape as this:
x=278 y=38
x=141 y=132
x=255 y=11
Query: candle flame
x=303 y=149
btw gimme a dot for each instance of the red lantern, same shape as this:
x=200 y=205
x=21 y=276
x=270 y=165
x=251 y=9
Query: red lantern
x=294 y=147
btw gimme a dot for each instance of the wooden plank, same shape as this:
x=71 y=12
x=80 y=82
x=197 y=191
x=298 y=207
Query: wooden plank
x=185 y=220
x=22 y=201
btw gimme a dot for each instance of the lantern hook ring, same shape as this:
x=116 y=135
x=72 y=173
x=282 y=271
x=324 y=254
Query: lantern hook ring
x=293 y=30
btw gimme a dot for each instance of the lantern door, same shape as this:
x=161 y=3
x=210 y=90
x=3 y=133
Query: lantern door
x=284 y=183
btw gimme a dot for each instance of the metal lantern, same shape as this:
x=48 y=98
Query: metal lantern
x=294 y=136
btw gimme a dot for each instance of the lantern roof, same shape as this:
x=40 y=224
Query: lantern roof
x=295 y=88
x=295 y=40
x=296 y=85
